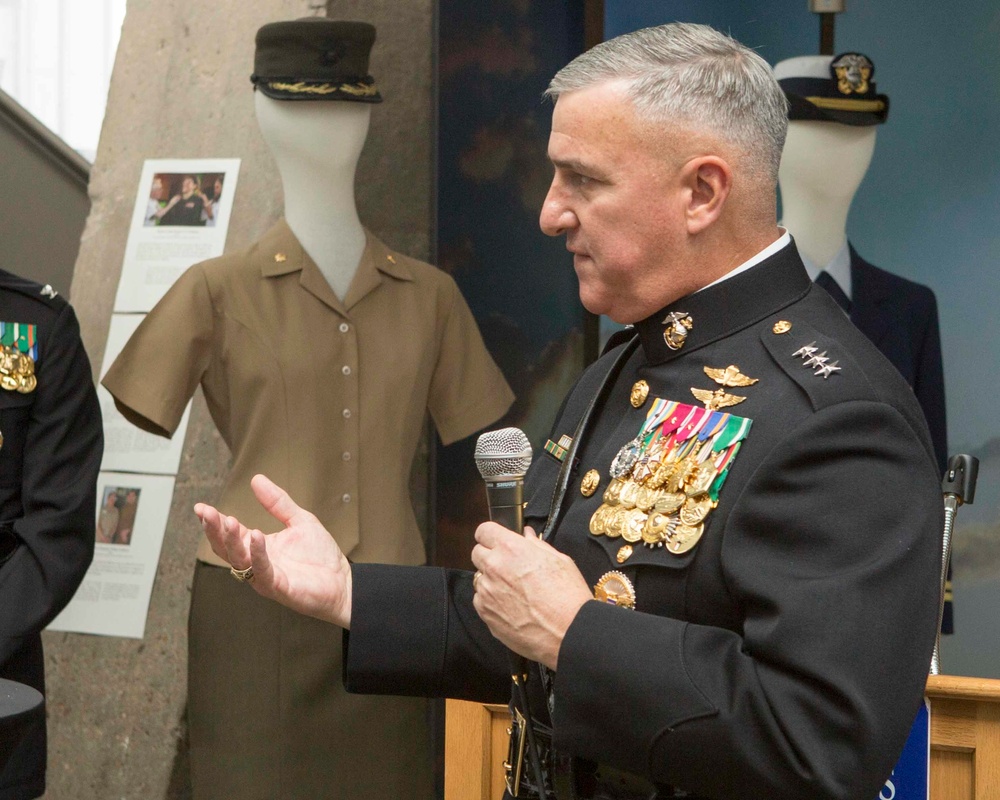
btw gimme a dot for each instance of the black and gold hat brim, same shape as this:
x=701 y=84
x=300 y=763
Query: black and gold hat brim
x=847 y=111
x=291 y=89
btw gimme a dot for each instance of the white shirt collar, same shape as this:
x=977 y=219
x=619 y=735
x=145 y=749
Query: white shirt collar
x=778 y=244
x=839 y=268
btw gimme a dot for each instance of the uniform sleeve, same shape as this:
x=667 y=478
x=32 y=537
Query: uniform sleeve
x=61 y=458
x=831 y=551
x=468 y=391
x=160 y=367
x=415 y=632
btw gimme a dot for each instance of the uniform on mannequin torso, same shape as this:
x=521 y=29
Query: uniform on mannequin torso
x=316 y=147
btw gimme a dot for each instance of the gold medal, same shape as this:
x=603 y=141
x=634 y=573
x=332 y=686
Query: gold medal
x=635 y=522
x=685 y=537
x=27 y=384
x=630 y=491
x=590 y=482
x=695 y=509
x=640 y=390
x=669 y=502
x=624 y=553
x=615 y=588
x=656 y=528
x=613 y=492
x=701 y=480
x=9 y=382
x=645 y=498
x=597 y=520
x=614 y=522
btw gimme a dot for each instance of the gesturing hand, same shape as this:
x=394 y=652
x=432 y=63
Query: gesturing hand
x=301 y=566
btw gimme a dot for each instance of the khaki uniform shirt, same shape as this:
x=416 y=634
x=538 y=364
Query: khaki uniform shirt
x=327 y=398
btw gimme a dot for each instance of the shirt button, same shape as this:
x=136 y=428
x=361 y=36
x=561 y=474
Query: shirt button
x=347 y=413
x=345 y=369
x=344 y=327
x=346 y=456
x=346 y=498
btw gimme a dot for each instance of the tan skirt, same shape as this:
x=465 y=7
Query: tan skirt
x=268 y=716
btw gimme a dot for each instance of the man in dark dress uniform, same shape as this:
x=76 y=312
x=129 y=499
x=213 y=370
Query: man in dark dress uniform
x=733 y=590
x=50 y=421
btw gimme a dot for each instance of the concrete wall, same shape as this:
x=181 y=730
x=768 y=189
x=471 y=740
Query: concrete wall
x=181 y=89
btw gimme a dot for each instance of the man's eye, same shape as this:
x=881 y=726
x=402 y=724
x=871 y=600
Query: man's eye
x=582 y=180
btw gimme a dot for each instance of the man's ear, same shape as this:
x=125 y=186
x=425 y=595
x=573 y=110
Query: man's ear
x=708 y=181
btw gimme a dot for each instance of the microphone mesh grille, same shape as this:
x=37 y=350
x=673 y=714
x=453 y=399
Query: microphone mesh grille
x=503 y=453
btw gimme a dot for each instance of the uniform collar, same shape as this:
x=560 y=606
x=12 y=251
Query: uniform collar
x=278 y=252
x=722 y=309
x=839 y=268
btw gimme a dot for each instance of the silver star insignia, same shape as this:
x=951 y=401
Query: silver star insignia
x=817 y=360
x=48 y=291
x=826 y=370
x=805 y=352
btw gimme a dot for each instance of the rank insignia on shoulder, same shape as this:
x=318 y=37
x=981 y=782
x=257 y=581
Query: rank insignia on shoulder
x=666 y=481
x=818 y=361
x=48 y=291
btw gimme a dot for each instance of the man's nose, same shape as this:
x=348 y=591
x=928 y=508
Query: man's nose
x=556 y=216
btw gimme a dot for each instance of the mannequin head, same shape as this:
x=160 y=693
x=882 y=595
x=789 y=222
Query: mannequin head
x=827 y=158
x=823 y=157
x=328 y=135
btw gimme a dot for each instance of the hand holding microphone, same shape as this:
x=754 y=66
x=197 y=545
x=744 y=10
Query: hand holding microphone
x=529 y=592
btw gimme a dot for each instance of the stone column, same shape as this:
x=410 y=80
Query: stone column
x=181 y=89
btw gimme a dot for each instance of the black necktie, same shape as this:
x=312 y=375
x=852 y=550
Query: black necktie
x=827 y=281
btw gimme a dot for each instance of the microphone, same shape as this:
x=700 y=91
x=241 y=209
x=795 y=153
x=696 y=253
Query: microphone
x=502 y=458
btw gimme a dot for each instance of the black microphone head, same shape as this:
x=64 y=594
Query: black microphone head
x=505 y=453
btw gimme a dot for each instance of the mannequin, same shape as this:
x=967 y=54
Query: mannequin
x=316 y=147
x=319 y=351
x=834 y=111
x=822 y=166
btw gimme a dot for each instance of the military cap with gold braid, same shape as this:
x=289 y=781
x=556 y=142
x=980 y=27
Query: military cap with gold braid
x=841 y=90
x=315 y=59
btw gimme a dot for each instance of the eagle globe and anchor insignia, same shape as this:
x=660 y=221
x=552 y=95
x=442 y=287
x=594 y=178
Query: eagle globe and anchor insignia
x=666 y=481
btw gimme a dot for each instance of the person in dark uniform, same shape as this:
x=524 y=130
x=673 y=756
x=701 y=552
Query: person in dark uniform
x=52 y=442
x=733 y=588
x=186 y=208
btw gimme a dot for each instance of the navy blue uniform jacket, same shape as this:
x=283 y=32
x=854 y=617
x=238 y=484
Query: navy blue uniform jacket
x=785 y=655
x=51 y=453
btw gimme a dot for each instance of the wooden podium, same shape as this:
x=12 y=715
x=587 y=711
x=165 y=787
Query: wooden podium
x=965 y=743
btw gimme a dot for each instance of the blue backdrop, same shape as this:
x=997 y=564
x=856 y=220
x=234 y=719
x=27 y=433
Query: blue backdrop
x=929 y=210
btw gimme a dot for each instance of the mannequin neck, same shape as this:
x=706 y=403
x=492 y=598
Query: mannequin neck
x=817 y=221
x=822 y=166
x=316 y=146
x=321 y=212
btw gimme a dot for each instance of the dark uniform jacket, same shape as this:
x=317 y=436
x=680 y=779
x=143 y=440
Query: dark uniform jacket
x=784 y=655
x=51 y=453
x=901 y=318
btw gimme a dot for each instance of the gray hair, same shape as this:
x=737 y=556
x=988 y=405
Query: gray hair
x=694 y=75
